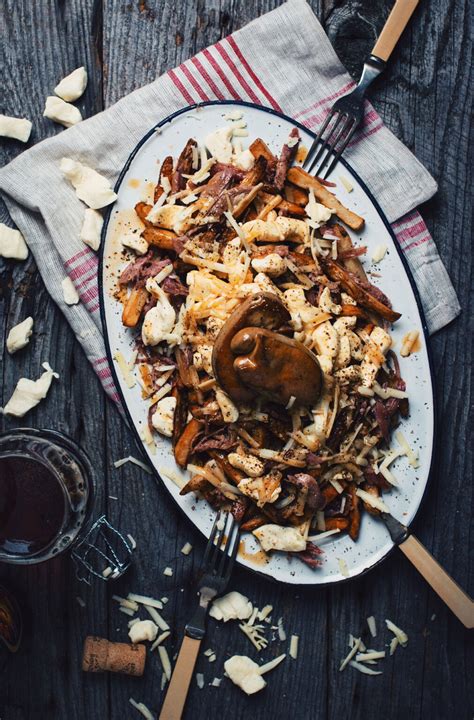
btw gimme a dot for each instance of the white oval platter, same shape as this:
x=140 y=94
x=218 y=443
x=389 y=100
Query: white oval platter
x=136 y=183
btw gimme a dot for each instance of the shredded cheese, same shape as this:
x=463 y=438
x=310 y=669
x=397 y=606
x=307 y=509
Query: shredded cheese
x=346 y=183
x=343 y=567
x=125 y=369
x=294 y=646
x=411 y=455
x=372 y=626
x=160 y=639
x=186 y=549
x=145 y=600
x=321 y=536
x=165 y=661
x=134 y=461
x=363 y=669
x=371 y=655
x=372 y=500
x=142 y=709
x=401 y=636
x=200 y=680
x=157 y=619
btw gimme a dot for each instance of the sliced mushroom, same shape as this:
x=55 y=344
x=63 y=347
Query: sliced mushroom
x=262 y=310
x=276 y=366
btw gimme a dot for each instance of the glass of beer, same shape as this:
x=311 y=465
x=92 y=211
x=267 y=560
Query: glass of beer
x=46 y=494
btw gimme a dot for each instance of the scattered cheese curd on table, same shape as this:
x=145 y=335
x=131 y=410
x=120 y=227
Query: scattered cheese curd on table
x=91 y=187
x=19 y=335
x=12 y=243
x=91 y=228
x=70 y=294
x=15 y=128
x=29 y=393
x=61 y=112
x=73 y=85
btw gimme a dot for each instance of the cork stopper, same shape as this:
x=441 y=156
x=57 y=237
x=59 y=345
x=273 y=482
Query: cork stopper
x=101 y=655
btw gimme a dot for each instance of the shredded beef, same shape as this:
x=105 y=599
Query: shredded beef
x=144 y=267
x=284 y=161
x=184 y=166
x=310 y=556
x=314 y=499
x=174 y=287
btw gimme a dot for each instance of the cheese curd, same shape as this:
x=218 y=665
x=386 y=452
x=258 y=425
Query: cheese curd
x=73 y=85
x=250 y=465
x=219 y=144
x=376 y=347
x=318 y=214
x=172 y=217
x=29 y=393
x=15 y=128
x=263 y=490
x=326 y=303
x=143 y=630
x=326 y=340
x=12 y=243
x=233 y=606
x=162 y=418
x=301 y=311
x=91 y=187
x=135 y=242
x=19 y=335
x=70 y=294
x=61 y=112
x=245 y=673
x=244 y=160
x=276 y=537
x=159 y=320
x=278 y=230
x=91 y=228
x=229 y=411
x=272 y=265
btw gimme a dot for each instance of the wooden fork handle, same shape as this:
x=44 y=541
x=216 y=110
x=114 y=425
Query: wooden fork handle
x=448 y=590
x=177 y=693
x=393 y=28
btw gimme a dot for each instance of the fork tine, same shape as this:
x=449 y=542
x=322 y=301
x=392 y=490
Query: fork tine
x=325 y=143
x=215 y=549
x=332 y=149
x=210 y=542
x=318 y=139
x=228 y=544
x=341 y=150
x=233 y=554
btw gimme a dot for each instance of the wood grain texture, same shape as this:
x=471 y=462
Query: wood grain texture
x=424 y=98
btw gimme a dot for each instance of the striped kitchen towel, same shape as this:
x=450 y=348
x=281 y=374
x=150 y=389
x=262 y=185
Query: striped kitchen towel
x=283 y=60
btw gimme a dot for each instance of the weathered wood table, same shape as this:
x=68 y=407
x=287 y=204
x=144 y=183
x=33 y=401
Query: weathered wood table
x=424 y=99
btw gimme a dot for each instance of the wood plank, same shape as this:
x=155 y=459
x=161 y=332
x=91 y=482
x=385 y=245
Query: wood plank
x=426 y=79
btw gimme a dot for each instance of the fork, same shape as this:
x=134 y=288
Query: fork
x=347 y=112
x=215 y=573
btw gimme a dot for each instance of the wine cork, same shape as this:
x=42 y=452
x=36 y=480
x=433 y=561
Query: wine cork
x=101 y=655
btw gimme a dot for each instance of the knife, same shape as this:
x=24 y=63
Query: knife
x=448 y=590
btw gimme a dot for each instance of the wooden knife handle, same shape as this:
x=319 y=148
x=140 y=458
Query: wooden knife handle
x=177 y=693
x=393 y=28
x=455 y=598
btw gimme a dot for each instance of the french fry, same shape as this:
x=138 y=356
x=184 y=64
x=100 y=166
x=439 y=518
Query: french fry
x=254 y=523
x=288 y=207
x=255 y=175
x=245 y=202
x=373 y=490
x=336 y=523
x=270 y=204
x=354 y=515
x=232 y=473
x=302 y=179
x=133 y=306
x=196 y=484
x=184 y=445
x=142 y=209
x=344 y=243
x=363 y=297
x=295 y=195
x=260 y=149
x=165 y=171
x=160 y=238
x=348 y=310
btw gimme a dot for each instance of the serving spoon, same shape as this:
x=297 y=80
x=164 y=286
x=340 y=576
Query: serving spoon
x=448 y=590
